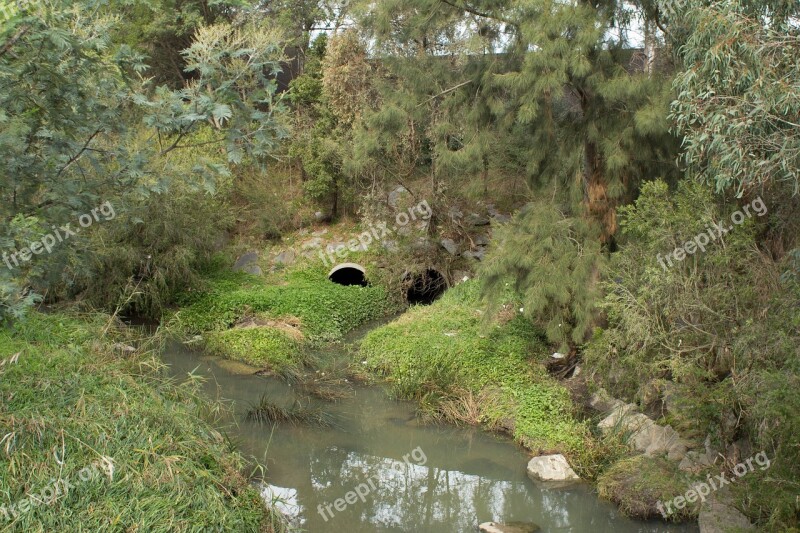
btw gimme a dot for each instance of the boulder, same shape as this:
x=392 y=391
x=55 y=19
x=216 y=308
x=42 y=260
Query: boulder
x=615 y=419
x=510 y=527
x=645 y=435
x=477 y=254
x=252 y=269
x=396 y=195
x=653 y=439
x=694 y=461
x=481 y=240
x=719 y=517
x=677 y=451
x=123 y=348
x=285 y=258
x=552 y=469
x=244 y=260
x=449 y=245
x=603 y=402
x=314 y=242
x=474 y=219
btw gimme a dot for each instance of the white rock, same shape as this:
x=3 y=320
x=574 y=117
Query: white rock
x=551 y=468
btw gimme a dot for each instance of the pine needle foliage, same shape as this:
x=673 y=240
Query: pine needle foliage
x=549 y=263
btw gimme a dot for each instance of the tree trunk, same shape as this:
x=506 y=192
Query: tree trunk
x=599 y=206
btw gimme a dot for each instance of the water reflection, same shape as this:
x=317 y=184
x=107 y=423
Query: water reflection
x=467 y=476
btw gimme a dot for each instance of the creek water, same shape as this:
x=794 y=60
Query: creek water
x=403 y=475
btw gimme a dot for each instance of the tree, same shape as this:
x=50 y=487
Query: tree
x=738 y=104
x=67 y=146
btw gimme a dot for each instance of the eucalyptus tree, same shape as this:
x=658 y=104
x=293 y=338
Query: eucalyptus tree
x=80 y=125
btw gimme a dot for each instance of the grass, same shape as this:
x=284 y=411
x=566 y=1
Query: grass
x=326 y=310
x=638 y=483
x=267 y=411
x=68 y=401
x=462 y=371
x=321 y=312
x=260 y=346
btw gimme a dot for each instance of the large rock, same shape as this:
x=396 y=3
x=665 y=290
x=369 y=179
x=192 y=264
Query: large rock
x=474 y=219
x=252 y=269
x=645 y=435
x=477 y=254
x=449 y=245
x=396 y=195
x=603 y=402
x=481 y=239
x=510 y=527
x=552 y=469
x=694 y=461
x=244 y=260
x=286 y=257
x=618 y=419
x=720 y=517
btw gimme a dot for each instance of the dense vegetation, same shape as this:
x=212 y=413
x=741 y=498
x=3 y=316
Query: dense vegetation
x=140 y=141
x=73 y=399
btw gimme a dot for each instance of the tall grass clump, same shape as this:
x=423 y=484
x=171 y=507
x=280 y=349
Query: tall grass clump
x=70 y=399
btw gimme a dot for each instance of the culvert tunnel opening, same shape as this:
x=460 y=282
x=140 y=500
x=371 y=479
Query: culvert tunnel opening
x=424 y=288
x=349 y=274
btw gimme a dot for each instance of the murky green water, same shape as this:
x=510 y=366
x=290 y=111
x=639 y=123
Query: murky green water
x=402 y=476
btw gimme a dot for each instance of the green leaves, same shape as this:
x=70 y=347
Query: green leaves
x=737 y=106
x=79 y=123
x=549 y=264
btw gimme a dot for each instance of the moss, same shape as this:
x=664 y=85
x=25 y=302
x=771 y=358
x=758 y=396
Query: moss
x=326 y=310
x=258 y=346
x=444 y=350
x=639 y=483
x=68 y=401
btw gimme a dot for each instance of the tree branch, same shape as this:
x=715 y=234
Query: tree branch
x=435 y=96
x=11 y=42
x=478 y=13
x=80 y=153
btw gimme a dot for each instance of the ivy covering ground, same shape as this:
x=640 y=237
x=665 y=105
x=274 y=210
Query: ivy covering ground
x=324 y=312
x=445 y=349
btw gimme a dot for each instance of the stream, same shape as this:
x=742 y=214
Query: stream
x=402 y=475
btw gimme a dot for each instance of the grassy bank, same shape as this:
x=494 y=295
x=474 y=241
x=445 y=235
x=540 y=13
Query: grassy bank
x=94 y=438
x=464 y=372
x=267 y=321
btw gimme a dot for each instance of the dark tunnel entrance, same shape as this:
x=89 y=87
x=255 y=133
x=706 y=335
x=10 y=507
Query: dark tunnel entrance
x=424 y=287
x=348 y=274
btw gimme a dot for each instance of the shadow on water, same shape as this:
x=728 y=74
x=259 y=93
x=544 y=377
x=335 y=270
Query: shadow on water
x=450 y=480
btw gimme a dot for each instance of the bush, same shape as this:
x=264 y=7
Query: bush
x=715 y=336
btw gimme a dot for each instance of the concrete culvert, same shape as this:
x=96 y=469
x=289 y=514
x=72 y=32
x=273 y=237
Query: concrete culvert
x=348 y=274
x=424 y=287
